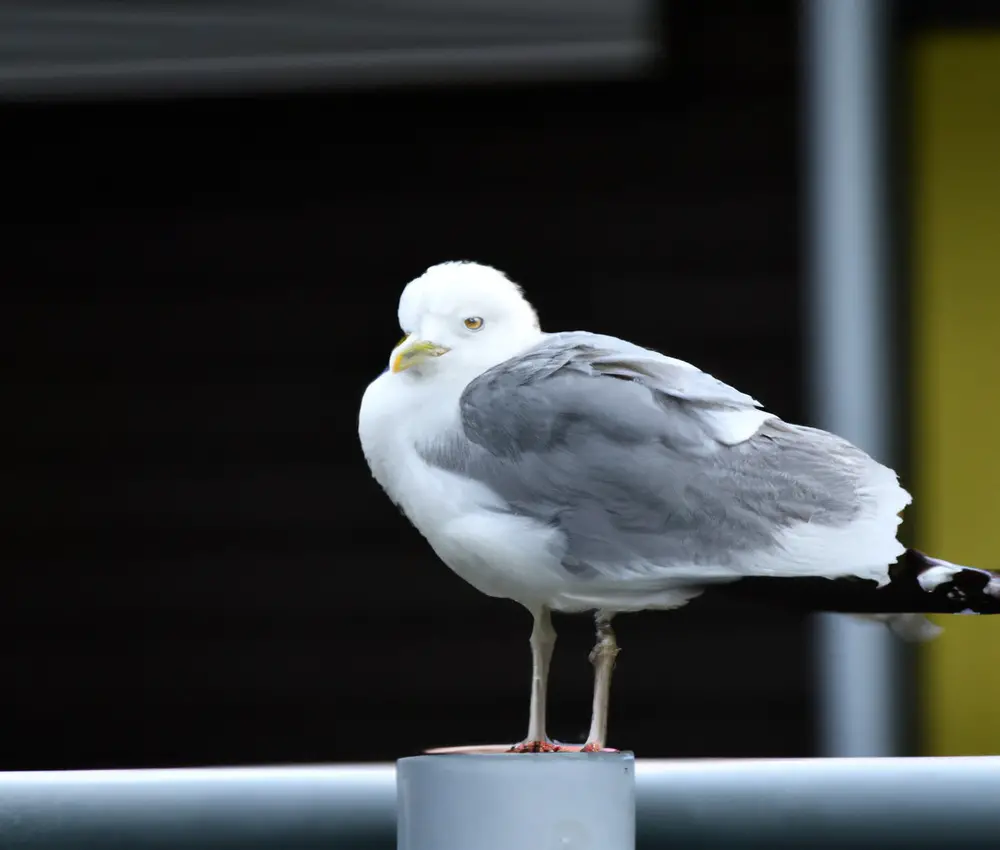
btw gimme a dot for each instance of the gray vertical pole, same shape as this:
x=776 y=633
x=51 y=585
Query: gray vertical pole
x=844 y=59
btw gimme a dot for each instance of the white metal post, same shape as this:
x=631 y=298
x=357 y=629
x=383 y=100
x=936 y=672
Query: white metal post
x=525 y=801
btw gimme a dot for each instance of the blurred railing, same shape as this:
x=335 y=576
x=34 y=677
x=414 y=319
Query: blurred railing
x=822 y=803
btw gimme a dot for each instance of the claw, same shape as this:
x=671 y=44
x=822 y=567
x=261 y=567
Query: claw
x=596 y=747
x=534 y=747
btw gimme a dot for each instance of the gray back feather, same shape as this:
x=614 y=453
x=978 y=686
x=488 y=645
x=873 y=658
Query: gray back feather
x=587 y=434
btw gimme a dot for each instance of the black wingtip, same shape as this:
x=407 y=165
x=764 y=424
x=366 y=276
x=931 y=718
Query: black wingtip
x=918 y=584
x=948 y=588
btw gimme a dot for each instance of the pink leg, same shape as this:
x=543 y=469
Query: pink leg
x=543 y=641
x=603 y=658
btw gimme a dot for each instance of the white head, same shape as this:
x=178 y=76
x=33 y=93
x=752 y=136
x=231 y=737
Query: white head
x=462 y=318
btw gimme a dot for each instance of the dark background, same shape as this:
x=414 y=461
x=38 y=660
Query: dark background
x=198 y=568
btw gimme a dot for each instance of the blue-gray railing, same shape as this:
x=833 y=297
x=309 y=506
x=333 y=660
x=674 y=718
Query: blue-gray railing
x=821 y=803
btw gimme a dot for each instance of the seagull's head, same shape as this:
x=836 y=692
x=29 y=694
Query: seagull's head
x=462 y=318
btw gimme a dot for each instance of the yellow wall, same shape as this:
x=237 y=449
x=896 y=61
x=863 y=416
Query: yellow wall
x=956 y=245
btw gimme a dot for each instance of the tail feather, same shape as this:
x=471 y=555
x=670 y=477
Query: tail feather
x=918 y=584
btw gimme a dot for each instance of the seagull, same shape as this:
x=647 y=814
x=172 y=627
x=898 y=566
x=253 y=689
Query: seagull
x=577 y=472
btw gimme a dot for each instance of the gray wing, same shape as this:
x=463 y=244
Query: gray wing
x=634 y=458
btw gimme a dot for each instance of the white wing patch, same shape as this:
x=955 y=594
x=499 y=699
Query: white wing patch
x=732 y=427
x=930 y=579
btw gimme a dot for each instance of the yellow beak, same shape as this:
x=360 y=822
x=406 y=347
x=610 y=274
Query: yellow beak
x=416 y=353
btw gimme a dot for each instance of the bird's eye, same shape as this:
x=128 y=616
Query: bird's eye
x=474 y=323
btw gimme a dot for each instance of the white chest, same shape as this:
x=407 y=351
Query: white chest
x=396 y=420
x=463 y=520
